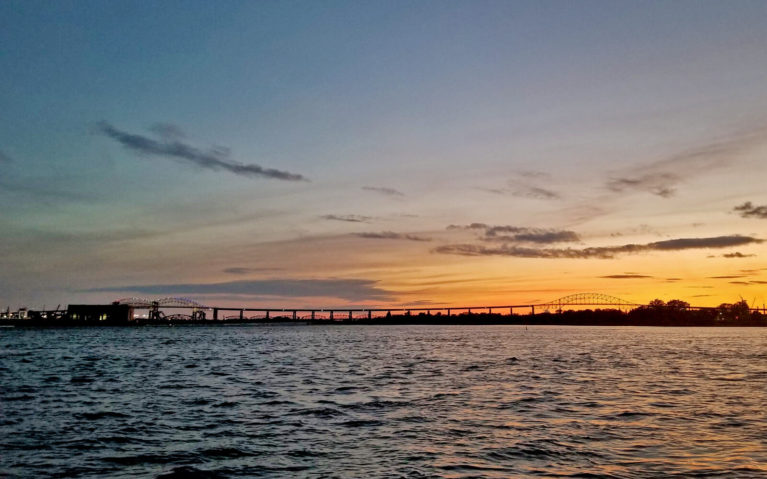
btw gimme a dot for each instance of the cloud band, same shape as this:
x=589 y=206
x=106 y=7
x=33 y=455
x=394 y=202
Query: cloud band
x=215 y=159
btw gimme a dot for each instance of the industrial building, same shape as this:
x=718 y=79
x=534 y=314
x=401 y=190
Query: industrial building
x=109 y=313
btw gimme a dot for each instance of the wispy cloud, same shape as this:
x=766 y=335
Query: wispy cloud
x=239 y=270
x=347 y=218
x=167 y=131
x=661 y=177
x=524 y=187
x=600 y=252
x=519 y=234
x=383 y=190
x=626 y=276
x=348 y=289
x=472 y=226
x=749 y=210
x=541 y=237
x=525 y=191
x=660 y=184
x=390 y=235
x=711 y=242
x=536 y=192
x=213 y=159
x=737 y=254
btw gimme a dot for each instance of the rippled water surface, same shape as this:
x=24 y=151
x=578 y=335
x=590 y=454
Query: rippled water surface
x=392 y=401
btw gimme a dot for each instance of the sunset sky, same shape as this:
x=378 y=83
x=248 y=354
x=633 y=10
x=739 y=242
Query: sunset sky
x=395 y=153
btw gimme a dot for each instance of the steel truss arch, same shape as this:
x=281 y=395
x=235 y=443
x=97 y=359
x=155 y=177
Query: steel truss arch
x=135 y=302
x=174 y=302
x=167 y=302
x=589 y=299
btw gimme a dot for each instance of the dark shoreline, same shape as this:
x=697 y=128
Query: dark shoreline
x=543 y=319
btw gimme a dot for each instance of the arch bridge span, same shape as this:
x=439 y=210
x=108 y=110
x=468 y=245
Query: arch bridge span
x=167 y=302
x=156 y=306
x=589 y=299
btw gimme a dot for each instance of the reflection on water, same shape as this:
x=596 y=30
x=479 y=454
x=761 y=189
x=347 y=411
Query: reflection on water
x=397 y=401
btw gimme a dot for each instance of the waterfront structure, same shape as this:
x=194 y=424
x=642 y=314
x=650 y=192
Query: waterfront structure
x=112 y=313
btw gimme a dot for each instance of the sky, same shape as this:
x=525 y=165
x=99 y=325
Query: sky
x=398 y=153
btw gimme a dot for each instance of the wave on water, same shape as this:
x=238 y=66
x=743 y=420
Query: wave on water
x=379 y=402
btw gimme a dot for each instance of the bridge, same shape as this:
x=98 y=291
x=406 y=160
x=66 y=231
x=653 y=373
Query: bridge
x=589 y=299
x=156 y=307
x=199 y=311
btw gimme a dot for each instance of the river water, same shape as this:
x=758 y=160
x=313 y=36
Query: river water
x=383 y=401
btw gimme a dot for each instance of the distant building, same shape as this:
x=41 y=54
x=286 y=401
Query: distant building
x=112 y=313
x=21 y=313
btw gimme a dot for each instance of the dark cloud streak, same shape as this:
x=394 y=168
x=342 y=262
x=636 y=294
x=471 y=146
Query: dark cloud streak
x=472 y=226
x=347 y=218
x=541 y=237
x=392 y=236
x=524 y=189
x=737 y=254
x=626 y=276
x=520 y=234
x=659 y=184
x=535 y=192
x=383 y=190
x=600 y=252
x=239 y=270
x=748 y=210
x=167 y=131
x=214 y=159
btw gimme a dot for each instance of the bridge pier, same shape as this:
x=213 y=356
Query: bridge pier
x=350 y=315
x=312 y=315
x=294 y=315
x=448 y=312
x=331 y=315
x=532 y=309
x=267 y=315
x=370 y=314
x=215 y=314
x=242 y=313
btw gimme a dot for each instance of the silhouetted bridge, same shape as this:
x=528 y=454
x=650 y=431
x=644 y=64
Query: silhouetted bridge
x=199 y=311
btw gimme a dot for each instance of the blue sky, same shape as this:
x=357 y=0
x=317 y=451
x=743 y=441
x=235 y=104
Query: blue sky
x=404 y=117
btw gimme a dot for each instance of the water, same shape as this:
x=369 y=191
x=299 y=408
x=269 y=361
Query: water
x=396 y=401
